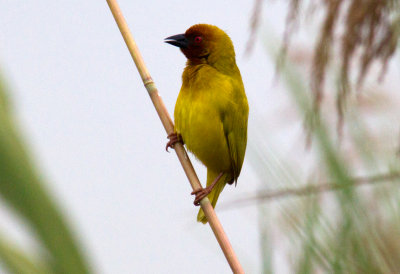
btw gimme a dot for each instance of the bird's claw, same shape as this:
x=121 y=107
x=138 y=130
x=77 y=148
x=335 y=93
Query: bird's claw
x=200 y=194
x=173 y=139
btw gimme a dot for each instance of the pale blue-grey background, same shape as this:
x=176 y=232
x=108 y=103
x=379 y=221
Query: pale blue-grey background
x=100 y=145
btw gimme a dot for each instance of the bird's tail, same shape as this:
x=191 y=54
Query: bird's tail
x=214 y=194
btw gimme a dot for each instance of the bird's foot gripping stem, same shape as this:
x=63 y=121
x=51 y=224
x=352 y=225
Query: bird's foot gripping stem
x=173 y=139
x=200 y=194
x=203 y=192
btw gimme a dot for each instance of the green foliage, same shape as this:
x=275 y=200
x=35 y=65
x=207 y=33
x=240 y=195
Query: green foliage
x=23 y=191
x=17 y=262
x=350 y=230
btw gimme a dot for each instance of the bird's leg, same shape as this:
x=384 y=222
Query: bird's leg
x=173 y=139
x=203 y=192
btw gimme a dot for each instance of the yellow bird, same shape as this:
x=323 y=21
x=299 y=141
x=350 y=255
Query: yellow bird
x=211 y=111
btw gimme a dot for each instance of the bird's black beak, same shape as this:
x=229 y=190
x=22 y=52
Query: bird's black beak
x=178 y=40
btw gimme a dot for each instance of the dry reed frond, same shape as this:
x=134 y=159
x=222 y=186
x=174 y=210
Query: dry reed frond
x=255 y=22
x=368 y=28
x=370 y=31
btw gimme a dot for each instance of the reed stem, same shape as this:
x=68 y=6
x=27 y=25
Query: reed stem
x=169 y=128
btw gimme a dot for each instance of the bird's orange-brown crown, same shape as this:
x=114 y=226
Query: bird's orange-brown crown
x=203 y=43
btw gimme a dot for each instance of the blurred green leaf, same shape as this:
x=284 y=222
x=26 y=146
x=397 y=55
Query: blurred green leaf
x=15 y=261
x=23 y=191
x=351 y=230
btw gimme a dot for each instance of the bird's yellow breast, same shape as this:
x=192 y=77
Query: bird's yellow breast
x=199 y=112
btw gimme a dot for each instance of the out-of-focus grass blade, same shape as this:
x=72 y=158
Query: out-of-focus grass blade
x=335 y=166
x=22 y=189
x=355 y=233
x=15 y=261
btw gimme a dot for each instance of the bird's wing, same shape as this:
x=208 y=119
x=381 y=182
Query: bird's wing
x=234 y=119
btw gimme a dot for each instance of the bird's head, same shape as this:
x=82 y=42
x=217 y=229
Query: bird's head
x=204 y=43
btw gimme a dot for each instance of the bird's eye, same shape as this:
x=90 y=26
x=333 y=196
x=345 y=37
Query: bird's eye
x=198 y=39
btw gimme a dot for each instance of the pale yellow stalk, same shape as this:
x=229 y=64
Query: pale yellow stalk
x=169 y=128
